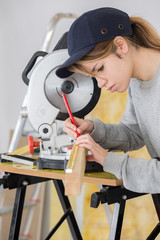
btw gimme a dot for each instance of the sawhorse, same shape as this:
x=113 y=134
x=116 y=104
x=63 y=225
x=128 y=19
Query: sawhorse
x=118 y=196
x=20 y=182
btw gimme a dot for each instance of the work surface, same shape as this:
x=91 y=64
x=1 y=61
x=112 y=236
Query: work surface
x=103 y=178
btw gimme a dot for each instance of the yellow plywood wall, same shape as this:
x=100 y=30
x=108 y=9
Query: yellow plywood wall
x=140 y=217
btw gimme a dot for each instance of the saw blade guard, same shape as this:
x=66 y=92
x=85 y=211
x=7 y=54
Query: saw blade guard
x=45 y=102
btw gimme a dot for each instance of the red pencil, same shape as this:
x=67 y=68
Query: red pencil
x=69 y=111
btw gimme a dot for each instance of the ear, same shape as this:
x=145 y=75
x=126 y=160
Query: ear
x=121 y=46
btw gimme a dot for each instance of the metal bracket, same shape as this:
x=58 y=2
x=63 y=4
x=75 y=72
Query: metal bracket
x=112 y=195
x=118 y=196
x=11 y=180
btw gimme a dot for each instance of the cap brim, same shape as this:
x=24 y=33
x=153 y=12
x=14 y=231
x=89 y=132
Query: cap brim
x=62 y=71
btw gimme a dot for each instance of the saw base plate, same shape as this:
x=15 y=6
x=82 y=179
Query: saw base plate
x=61 y=165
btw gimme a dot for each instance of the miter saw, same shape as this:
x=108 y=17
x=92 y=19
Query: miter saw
x=46 y=108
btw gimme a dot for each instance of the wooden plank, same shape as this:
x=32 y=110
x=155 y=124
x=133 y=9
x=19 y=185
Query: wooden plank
x=31 y=171
x=75 y=171
x=103 y=178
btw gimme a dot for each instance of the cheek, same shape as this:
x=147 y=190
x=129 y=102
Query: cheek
x=122 y=78
x=123 y=73
x=123 y=83
x=113 y=75
x=114 y=70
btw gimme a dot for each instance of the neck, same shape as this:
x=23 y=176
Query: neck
x=145 y=63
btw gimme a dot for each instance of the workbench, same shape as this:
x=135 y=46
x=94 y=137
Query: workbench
x=19 y=176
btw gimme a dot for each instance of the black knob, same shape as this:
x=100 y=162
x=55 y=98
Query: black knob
x=45 y=130
x=67 y=87
x=97 y=198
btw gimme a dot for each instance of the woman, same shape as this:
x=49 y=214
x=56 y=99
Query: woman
x=122 y=53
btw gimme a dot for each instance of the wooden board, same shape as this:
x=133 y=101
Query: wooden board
x=103 y=178
x=74 y=172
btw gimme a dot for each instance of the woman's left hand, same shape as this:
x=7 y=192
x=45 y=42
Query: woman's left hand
x=98 y=153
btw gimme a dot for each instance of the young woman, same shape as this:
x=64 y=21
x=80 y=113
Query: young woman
x=122 y=53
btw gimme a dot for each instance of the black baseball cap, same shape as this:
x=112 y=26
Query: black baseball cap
x=91 y=28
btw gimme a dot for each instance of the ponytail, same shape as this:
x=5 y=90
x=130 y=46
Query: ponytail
x=144 y=34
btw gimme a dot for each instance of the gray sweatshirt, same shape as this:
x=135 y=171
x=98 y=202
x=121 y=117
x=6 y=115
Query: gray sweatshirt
x=140 y=126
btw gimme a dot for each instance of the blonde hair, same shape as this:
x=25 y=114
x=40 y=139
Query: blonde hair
x=143 y=35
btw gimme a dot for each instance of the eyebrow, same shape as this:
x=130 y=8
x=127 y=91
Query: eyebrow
x=93 y=69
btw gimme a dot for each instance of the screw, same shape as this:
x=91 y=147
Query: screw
x=45 y=130
x=124 y=197
x=25 y=183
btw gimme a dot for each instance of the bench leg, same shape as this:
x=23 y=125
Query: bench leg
x=156 y=230
x=68 y=213
x=117 y=220
x=17 y=213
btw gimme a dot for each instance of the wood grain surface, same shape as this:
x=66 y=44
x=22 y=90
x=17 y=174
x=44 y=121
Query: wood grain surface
x=103 y=178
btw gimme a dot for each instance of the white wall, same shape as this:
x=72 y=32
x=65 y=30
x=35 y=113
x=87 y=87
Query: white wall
x=22 y=30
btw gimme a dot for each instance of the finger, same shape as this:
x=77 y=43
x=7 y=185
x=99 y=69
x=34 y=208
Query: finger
x=86 y=138
x=70 y=125
x=82 y=127
x=70 y=132
x=80 y=140
x=78 y=121
x=90 y=158
x=87 y=146
x=68 y=120
x=70 y=128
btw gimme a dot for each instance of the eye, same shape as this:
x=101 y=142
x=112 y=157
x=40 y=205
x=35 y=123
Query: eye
x=101 y=68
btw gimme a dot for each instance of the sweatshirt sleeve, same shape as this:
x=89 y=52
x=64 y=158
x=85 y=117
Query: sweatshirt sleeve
x=138 y=174
x=125 y=136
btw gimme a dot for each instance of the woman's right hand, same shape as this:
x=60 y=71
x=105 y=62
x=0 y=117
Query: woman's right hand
x=83 y=127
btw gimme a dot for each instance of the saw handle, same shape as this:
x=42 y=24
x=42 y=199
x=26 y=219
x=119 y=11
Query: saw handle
x=30 y=65
x=32 y=144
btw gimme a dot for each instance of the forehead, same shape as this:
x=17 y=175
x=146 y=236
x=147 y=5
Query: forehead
x=89 y=66
x=97 y=63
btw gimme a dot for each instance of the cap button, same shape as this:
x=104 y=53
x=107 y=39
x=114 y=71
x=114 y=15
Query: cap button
x=120 y=26
x=103 y=30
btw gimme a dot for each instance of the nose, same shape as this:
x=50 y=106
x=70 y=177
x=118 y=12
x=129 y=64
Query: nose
x=101 y=82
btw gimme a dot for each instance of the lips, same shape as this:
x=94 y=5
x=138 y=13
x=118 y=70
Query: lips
x=112 y=88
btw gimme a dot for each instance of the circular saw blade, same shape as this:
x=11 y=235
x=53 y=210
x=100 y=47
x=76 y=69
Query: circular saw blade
x=83 y=93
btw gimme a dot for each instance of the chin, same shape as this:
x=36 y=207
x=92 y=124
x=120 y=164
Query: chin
x=121 y=90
